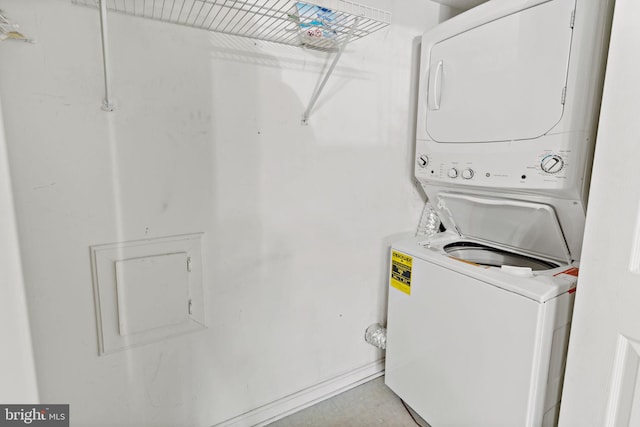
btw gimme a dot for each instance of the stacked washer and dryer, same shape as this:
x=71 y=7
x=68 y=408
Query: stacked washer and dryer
x=479 y=316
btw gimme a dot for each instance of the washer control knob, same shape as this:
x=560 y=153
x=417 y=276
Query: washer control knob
x=453 y=173
x=467 y=173
x=422 y=160
x=552 y=163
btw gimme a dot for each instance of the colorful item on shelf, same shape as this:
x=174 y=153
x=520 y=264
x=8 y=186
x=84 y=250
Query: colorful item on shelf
x=315 y=21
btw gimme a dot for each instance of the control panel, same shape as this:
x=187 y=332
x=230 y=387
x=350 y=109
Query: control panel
x=520 y=165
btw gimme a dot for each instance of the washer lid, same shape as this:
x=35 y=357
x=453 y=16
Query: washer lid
x=526 y=226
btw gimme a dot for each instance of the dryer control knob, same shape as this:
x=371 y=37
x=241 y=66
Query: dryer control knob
x=552 y=163
x=422 y=160
x=467 y=173
x=453 y=173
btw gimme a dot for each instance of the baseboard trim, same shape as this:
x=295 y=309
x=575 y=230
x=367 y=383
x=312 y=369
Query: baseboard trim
x=287 y=405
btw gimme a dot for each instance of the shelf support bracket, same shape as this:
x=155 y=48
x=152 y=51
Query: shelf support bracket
x=107 y=105
x=316 y=94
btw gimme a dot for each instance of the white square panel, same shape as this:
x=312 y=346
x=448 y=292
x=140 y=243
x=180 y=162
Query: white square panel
x=153 y=292
x=147 y=290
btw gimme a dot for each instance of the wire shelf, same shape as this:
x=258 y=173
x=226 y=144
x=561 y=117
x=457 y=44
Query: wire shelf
x=287 y=22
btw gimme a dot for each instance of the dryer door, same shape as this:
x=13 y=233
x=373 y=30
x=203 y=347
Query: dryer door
x=502 y=80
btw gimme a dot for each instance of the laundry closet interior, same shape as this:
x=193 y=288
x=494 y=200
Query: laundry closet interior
x=221 y=212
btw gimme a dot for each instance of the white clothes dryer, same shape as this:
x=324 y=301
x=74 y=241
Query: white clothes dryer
x=508 y=103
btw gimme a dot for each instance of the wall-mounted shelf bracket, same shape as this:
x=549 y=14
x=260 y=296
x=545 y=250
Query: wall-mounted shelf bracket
x=316 y=94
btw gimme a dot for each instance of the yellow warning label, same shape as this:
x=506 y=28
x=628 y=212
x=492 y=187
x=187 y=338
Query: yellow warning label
x=401 y=272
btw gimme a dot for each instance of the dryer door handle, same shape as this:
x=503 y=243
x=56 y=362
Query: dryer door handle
x=437 y=85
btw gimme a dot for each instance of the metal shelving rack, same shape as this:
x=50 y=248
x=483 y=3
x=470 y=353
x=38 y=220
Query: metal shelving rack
x=328 y=27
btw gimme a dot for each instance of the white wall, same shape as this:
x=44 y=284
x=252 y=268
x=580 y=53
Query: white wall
x=17 y=370
x=206 y=137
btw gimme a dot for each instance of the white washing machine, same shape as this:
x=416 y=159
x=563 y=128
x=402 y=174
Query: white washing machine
x=477 y=330
x=479 y=316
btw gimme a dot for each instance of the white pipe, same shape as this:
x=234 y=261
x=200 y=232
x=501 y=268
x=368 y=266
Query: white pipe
x=107 y=105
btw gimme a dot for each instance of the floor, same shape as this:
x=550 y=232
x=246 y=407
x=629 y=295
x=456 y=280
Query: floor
x=370 y=404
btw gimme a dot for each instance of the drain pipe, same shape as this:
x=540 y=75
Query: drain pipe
x=376 y=335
